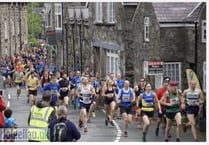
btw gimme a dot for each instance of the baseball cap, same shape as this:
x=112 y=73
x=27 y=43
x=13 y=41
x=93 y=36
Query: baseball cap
x=173 y=83
x=166 y=79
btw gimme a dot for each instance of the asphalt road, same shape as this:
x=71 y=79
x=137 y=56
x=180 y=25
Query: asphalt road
x=97 y=131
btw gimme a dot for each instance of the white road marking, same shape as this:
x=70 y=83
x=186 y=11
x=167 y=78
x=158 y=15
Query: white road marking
x=9 y=98
x=117 y=139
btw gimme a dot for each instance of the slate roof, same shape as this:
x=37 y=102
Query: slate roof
x=176 y=12
x=38 y=10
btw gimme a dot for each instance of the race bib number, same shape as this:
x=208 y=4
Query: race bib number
x=174 y=101
x=149 y=104
x=126 y=98
x=192 y=103
x=86 y=99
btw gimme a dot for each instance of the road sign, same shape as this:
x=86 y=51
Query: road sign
x=153 y=67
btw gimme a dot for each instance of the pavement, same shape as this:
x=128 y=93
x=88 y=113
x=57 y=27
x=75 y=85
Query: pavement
x=97 y=131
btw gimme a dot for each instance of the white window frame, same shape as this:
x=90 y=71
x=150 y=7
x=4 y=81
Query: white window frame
x=204 y=31
x=110 y=13
x=112 y=62
x=58 y=12
x=204 y=76
x=146 y=29
x=171 y=74
x=98 y=12
x=13 y=28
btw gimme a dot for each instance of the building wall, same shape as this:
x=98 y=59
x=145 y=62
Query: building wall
x=104 y=32
x=145 y=51
x=201 y=46
x=16 y=17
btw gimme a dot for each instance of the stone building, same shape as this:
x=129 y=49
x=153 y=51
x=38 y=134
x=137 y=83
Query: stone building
x=13 y=28
x=125 y=36
x=172 y=39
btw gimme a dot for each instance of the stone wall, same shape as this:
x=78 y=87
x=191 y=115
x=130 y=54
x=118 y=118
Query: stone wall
x=16 y=18
x=145 y=51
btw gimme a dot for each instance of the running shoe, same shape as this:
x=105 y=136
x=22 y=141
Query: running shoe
x=144 y=137
x=111 y=122
x=80 y=124
x=157 y=132
x=177 y=140
x=125 y=134
x=106 y=122
x=85 y=130
x=196 y=140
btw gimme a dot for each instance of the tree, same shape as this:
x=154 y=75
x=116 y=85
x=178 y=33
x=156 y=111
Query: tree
x=34 y=24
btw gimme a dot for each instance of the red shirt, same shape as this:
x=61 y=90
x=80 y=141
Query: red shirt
x=160 y=92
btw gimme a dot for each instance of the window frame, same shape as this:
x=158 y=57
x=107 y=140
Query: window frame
x=171 y=76
x=112 y=55
x=110 y=13
x=58 y=13
x=204 y=33
x=146 y=29
x=98 y=12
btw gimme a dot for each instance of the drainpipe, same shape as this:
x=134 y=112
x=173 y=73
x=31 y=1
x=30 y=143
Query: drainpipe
x=196 y=53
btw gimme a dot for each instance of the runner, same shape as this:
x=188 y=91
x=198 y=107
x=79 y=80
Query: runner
x=64 y=89
x=45 y=78
x=76 y=81
x=138 y=90
x=108 y=92
x=126 y=97
x=192 y=101
x=85 y=92
x=119 y=83
x=172 y=101
x=54 y=88
x=93 y=104
x=160 y=92
x=147 y=111
x=32 y=84
x=18 y=78
x=5 y=74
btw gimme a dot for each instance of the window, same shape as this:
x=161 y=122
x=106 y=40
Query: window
x=6 y=29
x=129 y=3
x=146 y=29
x=110 y=12
x=173 y=70
x=99 y=12
x=204 y=31
x=112 y=62
x=204 y=76
x=58 y=16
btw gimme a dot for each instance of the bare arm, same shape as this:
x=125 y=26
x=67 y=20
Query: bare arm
x=183 y=96
x=158 y=103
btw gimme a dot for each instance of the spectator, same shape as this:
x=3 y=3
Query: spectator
x=40 y=116
x=10 y=126
x=2 y=108
x=68 y=134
